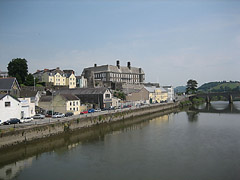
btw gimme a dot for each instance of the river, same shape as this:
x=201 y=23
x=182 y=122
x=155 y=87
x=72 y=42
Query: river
x=199 y=143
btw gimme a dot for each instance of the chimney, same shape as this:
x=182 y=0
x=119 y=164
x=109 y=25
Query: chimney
x=118 y=64
x=140 y=70
x=57 y=68
x=95 y=65
x=129 y=65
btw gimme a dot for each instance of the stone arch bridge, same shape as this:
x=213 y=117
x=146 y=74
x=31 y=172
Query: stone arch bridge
x=208 y=96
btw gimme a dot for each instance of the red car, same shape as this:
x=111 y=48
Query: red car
x=84 y=112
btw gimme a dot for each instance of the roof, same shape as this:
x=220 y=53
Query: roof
x=69 y=97
x=153 y=88
x=150 y=89
x=28 y=93
x=78 y=91
x=7 y=83
x=111 y=68
x=3 y=95
x=45 y=99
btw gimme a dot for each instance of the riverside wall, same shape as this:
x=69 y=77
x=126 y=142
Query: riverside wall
x=34 y=132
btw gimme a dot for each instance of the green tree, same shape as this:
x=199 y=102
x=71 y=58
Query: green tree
x=29 y=80
x=191 y=86
x=18 y=68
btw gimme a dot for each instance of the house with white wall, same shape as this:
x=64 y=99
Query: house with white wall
x=10 y=107
x=27 y=107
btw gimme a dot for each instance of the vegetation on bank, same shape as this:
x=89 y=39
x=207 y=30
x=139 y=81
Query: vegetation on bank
x=193 y=102
x=220 y=86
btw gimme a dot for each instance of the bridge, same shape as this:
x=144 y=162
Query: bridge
x=208 y=96
x=209 y=108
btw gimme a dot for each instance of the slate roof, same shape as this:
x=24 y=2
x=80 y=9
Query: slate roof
x=3 y=95
x=45 y=99
x=28 y=93
x=77 y=91
x=70 y=97
x=7 y=83
x=111 y=68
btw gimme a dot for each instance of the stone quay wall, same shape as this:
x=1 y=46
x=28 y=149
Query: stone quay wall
x=34 y=132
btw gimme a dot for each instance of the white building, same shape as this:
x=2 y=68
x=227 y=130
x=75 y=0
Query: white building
x=27 y=107
x=170 y=91
x=9 y=107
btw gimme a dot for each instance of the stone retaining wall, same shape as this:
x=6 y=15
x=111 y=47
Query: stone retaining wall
x=29 y=133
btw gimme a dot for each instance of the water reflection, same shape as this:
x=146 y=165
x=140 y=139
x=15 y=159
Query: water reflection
x=217 y=107
x=192 y=116
x=11 y=171
x=13 y=160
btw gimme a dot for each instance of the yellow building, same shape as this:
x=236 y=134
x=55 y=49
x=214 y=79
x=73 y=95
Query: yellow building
x=71 y=79
x=57 y=77
x=156 y=95
x=62 y=103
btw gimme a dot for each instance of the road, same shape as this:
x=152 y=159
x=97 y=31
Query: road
x=49 y=119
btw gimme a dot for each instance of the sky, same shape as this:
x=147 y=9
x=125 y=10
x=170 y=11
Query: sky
x=172 y=40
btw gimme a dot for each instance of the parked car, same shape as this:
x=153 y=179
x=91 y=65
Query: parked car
x=84 y=112
x=91 y=111
x=12 y=121
x=38 y=116
x=1 y=122
x=58 y=115
x=98 y=110
x=26 y=120
x=69 y=114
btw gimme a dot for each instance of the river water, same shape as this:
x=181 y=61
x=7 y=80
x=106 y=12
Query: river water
x=199 y=143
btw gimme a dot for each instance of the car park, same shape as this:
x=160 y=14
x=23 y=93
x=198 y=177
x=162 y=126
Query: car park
x=39 y=116
x=91 y=111
x=26 y=120
x=12 y=121
x=84 y=112
x=58 y=115
x=68 y=114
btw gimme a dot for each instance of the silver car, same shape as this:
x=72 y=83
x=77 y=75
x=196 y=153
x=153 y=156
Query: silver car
x=38 y=116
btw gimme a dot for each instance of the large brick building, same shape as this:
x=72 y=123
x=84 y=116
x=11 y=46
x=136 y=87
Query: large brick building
x=113 y=76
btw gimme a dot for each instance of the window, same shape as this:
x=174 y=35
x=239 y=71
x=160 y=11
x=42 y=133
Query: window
x=73 y=103
x=70 y=109
x=77 y=108
x=77 y=103
x=7 y=104
x=74 y=109
x=107 y=95
x=70 y=103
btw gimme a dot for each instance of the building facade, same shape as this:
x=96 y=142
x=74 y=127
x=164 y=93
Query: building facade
x=113 y=76
x=57 y=77
x=81 y=82
x=10 y=107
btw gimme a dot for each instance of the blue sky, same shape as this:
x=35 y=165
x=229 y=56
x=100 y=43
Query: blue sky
x=173 y=41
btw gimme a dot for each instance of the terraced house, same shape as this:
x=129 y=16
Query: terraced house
x=57 y=77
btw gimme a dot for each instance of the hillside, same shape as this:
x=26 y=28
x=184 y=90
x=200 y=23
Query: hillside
x=220 y=86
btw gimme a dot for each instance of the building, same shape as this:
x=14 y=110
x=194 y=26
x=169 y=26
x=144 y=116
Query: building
x=57 y=77
x=3 y=74
x=62 y=103
x=81 y=82
x=9 y=86
x=98 y=97
x=113 y=77
x=156 y=95
x=71 y=79
x=137 y=95
x=33 y=95
x=27 y=107
x=170 y=91
x=10 y=107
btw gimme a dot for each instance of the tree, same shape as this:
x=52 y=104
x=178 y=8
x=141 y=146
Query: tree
x=191 y=86
x=29 y=80
x=18 y=68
